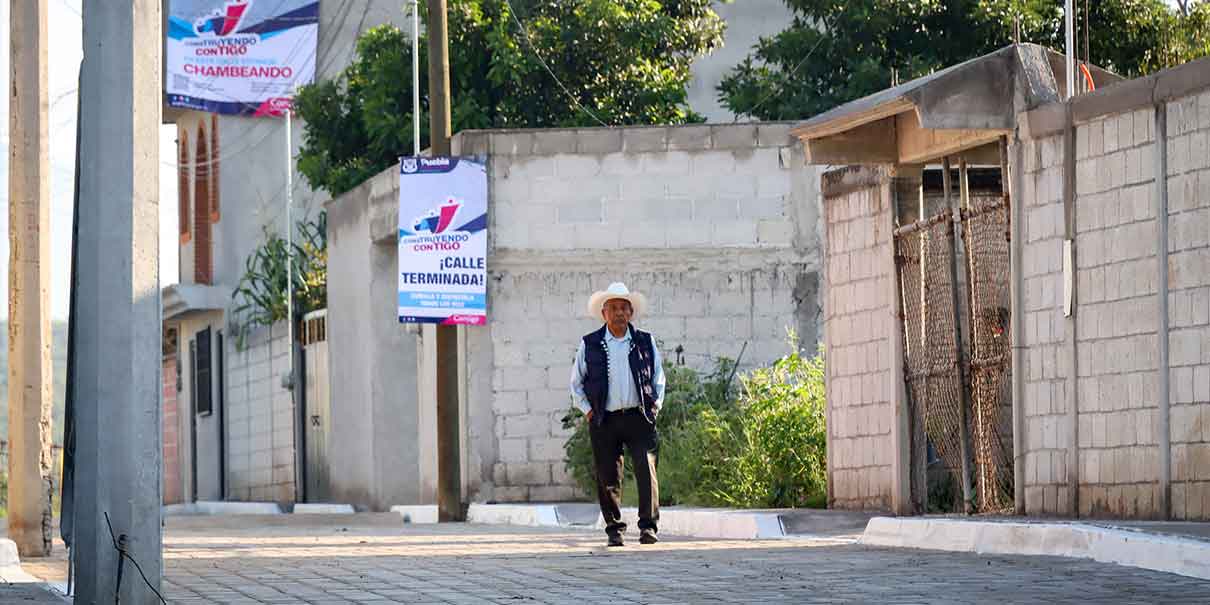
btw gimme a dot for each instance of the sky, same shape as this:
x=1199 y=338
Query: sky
x=65 y=52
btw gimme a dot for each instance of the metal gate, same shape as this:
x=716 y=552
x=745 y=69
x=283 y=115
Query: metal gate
x=952 y=255
x=317 y=405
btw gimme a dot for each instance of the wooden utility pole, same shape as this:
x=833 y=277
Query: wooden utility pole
x=449 y=463
x=30 y=462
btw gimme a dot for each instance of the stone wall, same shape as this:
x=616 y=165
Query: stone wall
x=859 y=328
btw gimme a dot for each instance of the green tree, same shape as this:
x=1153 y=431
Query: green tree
x=616 y=62
x=835 y=52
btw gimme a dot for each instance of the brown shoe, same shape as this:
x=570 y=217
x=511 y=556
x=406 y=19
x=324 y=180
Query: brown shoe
x=616 y=540
x=648 y=537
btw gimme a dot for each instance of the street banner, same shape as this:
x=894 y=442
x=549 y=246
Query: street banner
x=443 y=240
x=242 y=57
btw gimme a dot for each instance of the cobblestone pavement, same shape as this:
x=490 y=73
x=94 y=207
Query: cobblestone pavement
x=469 y=564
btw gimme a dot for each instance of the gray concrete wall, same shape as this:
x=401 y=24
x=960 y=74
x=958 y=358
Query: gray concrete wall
x=260 y=417
x=747 y=21
x=1142 y=308
x=717 y=225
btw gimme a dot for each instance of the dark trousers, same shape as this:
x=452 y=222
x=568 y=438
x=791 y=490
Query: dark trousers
x=631 y=429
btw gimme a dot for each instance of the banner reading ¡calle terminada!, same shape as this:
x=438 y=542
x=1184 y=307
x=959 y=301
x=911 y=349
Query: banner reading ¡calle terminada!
x=442 y=240
x=244 y=57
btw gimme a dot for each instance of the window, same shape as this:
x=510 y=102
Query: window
x=213 y=169
x=182 y=191
x=202 y=375
x=202 y=263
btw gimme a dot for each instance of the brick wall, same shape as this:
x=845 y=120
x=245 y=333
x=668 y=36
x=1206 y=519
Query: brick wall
x=715 y=224
x=858 y=328
x=172 y=462
x=1188 y=123
x=260 y=418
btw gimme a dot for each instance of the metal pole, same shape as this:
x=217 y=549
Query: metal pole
x=1069 y=26
x=415 y=78
x=449 y=467
x=964 y=446
x=290 y=239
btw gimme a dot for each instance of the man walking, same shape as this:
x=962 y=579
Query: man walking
x=618 y=383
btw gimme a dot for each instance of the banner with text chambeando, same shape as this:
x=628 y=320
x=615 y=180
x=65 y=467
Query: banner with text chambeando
x=244 y=57
x=442 y=240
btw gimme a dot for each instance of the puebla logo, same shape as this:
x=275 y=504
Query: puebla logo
x=409 y=165
x=439 y=219
x=224 y=21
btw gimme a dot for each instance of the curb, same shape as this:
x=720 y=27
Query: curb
x=712 y=523
x=1131 y=548
x=222 y=508
x=322 y=509
x=526 y=515
x=418 y=513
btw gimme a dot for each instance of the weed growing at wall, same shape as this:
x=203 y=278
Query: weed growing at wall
x=756 y=443
x=260 y=297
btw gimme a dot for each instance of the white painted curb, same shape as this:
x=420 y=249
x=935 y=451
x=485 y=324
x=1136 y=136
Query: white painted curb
x=419 y=513
x=223 y=508
x=316 y=508
x=1170 y=554
x=711 y=523
x=527 y=515
x=8 y=553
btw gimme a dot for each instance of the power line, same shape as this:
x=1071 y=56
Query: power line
x=752 y=110
x=528 y=40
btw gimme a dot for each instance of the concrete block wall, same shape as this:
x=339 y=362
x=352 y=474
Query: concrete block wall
x=1045 y=366
x=717 y=225
x=260 y=418
x=858 y=328
x=1188 y=142
x=1117 y=316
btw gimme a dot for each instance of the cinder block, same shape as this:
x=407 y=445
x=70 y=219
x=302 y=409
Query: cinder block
x=603 y=236
x=774 y=233
x=733 y=233
x=513 y=451
x=644 y=188
x=775 y=208
x=772 y=134
x=673 y=211
x=526 y=425
x=644 y=235
x=581 y=212
x=643 y=140
x=714 y=209
x=715 y=163
x=1111 y=134
x=1143 y=120
x=599 y=140
x=686 y=235
x=621 y=164
x=689 y=186
x=546 y=450
x=550 y=142
x=552 y=493
x=735 y=136
x=671 y=162
x=575 y=166
x=689 y=137
x=506 y=493
x=512 y=143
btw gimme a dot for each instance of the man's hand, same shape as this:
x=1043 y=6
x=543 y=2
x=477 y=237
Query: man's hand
x=588 y=416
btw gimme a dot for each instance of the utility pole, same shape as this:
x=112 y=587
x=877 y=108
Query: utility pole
x=30 y=462
x=449 y=464
x=117 y=345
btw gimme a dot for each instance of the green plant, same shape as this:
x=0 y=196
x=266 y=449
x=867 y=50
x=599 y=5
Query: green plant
x=260 y=297
x=617 y=61
x=761 y=445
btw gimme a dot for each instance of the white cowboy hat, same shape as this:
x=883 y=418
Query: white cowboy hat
x=615 y=290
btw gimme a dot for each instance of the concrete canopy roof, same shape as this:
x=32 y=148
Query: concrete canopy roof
x=182 y=299
x=961 y=107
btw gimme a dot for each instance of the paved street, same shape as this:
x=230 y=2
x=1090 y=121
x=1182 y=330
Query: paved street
x=247 y=562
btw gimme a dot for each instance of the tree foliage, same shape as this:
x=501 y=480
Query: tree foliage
x=260 y=298
x=835 y=52
x=616 y=61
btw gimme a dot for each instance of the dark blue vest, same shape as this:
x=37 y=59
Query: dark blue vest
x=642 y=369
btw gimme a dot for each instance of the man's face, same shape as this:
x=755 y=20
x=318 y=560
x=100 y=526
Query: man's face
x=616 y=313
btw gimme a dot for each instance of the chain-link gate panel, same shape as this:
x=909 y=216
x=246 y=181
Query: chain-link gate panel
x=985 y=230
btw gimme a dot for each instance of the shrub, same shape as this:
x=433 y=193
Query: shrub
x=762 y=444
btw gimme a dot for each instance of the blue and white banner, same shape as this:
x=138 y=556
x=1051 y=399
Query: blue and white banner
x=442 y=240
x=244 y=57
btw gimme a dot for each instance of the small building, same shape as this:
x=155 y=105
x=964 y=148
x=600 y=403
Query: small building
x=1040 y=349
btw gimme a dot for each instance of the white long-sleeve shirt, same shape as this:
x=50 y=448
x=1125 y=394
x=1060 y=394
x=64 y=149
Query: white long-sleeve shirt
x=622 y=391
